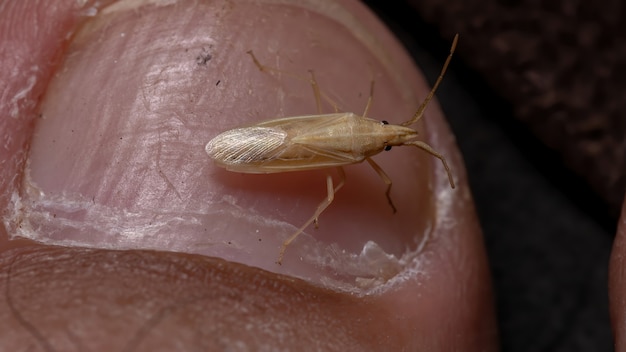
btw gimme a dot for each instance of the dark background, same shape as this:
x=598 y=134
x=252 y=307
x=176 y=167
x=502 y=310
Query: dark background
x=548 y=226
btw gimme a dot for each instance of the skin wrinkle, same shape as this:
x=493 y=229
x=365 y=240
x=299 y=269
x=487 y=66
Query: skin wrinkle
x=150 y=323
x=188 y=302
x=28 y=326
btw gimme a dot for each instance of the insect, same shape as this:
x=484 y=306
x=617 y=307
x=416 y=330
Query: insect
x=319 y=141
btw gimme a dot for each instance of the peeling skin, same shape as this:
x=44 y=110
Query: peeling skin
x=113 y=212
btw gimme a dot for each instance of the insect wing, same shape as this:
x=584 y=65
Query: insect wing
x=245 y=146
x=269 y=146
x=304 y=124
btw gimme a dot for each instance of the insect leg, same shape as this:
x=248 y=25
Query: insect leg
x=342 y=181
x=331 y=190
x=379 y=170
x=369 y=100
x=258 y=64
x=432 y=152
x=420 y=111
x=319 y=94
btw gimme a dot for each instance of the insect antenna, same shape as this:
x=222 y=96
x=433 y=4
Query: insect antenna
x=420 y=112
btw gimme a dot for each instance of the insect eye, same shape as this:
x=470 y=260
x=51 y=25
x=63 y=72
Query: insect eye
x=387 y=148
x=384 y=122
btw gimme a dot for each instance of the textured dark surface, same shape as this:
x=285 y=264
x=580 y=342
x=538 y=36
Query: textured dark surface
x=562 y=66
x=547 y=227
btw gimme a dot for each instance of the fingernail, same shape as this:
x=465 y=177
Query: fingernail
x=118 y=157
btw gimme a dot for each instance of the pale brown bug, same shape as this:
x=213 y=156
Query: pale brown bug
x=319 y=141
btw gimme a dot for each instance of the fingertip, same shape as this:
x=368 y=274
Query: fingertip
x=617 y=283
x=119 y=160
